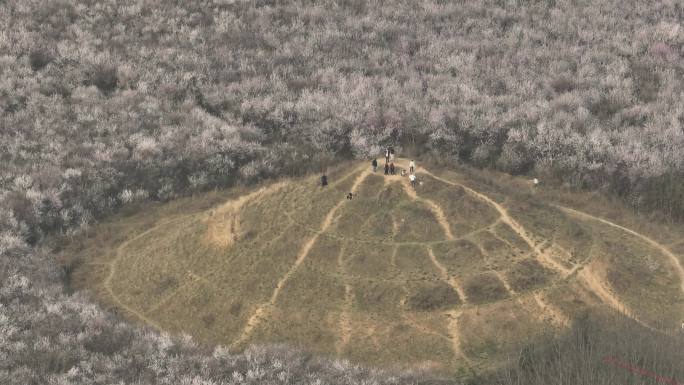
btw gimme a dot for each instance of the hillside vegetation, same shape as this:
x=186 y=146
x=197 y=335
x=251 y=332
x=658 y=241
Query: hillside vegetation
x=120 y=104
x=443 y=275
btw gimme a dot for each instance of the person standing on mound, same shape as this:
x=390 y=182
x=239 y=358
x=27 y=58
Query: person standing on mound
x=412 y=166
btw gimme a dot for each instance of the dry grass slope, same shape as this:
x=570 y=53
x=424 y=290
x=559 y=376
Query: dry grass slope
x=441 y=275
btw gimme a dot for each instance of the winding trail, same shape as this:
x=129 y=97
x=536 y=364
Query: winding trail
x=556 y=314
x=223 y=223
x=505 y=282
x=455 y=335
x=597 y=286
x=203 y=278
x=504 y=241
x=411 y=320
x=444 y=275
x=592 y=281
x=393 y=258
x=262 y=311
x=436 y=210
x=345 y=326
x=454 y=315
x=231 y=206
x=595 y=283
x=543 y=258
x=113 y=265
x=676 y=263
x=223 y=230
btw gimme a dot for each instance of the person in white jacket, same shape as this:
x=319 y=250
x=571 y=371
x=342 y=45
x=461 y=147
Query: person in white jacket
x=412 y=166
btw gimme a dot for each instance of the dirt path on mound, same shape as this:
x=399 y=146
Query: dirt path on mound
x=505 y=282
x=597 y=286
x=107 y=283
x=595 y=283
x=454 y=315
x=345 y=325
x=455 y=335
x=592 y=281
x=232 y=207
x=223 y=223
x=543 y=258
x=223 y=229
x=504 y=241
x=262 y=310
x=679 y=270
x=434 y=208
x=556 y=314
x=444 y=275
x=411 y=320
x=202 y=278
x=453 y=327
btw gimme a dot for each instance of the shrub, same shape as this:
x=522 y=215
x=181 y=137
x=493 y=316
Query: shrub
x=662 y=51
x=104 y=78
x=515 y=159
x=527 y=274
x=432 y=297
x=646 y=82
x=49 y=361
x=604 y=108
x=585 y=356
x=109 y=341
x=664 y=193
x=562 y=85
x=39 y=58
x=485 y=287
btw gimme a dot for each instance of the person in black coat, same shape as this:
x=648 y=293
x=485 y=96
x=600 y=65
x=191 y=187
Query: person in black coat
x=324 y=180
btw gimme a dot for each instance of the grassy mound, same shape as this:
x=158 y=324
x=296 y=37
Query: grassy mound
x=453 y=274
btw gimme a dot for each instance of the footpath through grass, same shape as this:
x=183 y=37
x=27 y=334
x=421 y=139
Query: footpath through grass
x=438 y=276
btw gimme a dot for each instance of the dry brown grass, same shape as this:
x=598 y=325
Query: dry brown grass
x=453 y=275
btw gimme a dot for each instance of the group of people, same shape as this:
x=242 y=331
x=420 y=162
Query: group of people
x=390 y=169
